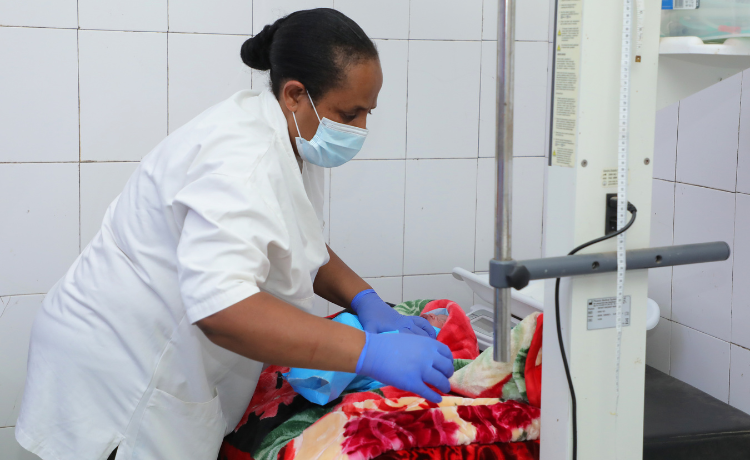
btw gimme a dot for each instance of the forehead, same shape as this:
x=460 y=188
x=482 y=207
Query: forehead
x=361 y=85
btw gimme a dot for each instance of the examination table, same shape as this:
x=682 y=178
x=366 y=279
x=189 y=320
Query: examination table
x=684 y=423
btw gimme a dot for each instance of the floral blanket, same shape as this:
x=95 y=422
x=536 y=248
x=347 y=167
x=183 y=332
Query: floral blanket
x=494 y=421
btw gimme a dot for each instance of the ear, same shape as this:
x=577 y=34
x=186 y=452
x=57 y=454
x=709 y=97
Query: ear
x=292 y=93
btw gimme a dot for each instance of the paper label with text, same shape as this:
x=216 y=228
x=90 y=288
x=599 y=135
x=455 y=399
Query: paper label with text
x=566 y=78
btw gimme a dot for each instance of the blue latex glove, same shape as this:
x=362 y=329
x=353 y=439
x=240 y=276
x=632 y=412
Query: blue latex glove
x=408 y=362
x=377 y=316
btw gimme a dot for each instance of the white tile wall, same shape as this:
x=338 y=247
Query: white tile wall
x=367 y=216
x=484 y=245
x=10 y=448
x=387 y=124
x=440 y=215
x=224 y=17
x=700 y=360
x=528 y=201
x=123 y=89
x=530 y=99
x=739 y=378
x=39 y=235
x=446 y=20
x=489 y=20
x=697 y=147
x=260 y=80
x=267 y=11
x=389 y=289
x=443 y=99
x=438 y=287
x=40 y=13
x=665 y=143
x=437 y=104
x=741 y=288
x=657 y=345
x=150 y=15
x=101 y=183
x=702 y=294
x=404 y=214
x=378 y=18
x=531 y=117
x=15 y=331
x=532 y=19
x=39 y=112
x=662 y=224
x=527 y=210
x=203 y=71
x=707 y=141
x=487 y=102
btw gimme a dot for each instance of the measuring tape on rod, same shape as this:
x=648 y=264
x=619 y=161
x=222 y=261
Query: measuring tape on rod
x=622 y=165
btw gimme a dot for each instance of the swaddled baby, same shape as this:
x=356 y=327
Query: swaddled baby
x=437 y=320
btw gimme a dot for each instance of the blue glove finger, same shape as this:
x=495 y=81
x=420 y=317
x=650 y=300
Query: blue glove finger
x=443 y=365
x=424 y=325
x=413 y=330
x=424 y=391
x=437 y=380
x=445 y=351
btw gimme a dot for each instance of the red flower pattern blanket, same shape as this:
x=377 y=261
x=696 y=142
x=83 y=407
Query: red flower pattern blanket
x=279 y=424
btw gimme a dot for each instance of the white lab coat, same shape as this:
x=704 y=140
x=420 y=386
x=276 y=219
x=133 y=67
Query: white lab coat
x=217 y=212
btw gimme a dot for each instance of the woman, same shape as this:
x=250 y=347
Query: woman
x=206 y=263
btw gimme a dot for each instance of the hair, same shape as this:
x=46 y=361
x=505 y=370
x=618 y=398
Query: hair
x=314 y=47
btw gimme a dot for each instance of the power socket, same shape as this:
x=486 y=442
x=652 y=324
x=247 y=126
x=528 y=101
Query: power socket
x=610 y=215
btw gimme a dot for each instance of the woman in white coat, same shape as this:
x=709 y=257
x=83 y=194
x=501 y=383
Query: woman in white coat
x=206 y=264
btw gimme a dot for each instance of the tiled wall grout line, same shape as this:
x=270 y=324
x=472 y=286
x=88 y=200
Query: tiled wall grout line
x=674 y=215
x=38 y=27
x=479 y=125
x=406 y=154
x=78 y=57
x=734 y=236
x=37 y=162
x=8 y=296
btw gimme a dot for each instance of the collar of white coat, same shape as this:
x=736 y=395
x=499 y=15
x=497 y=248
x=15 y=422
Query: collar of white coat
x=312 y=177
x=277 y=119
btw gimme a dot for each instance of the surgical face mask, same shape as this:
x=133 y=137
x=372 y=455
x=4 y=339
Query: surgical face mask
x=333 y=144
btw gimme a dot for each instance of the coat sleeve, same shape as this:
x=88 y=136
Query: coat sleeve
x=223 y=252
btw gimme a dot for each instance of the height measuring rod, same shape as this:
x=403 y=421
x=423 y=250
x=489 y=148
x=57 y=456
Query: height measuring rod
x=622 y=181
x=622 y=162
x=504 y=162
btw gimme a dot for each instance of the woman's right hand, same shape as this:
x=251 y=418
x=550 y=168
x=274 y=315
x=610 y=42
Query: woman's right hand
x=408 y=362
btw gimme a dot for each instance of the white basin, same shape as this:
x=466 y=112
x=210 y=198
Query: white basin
x=529 y=299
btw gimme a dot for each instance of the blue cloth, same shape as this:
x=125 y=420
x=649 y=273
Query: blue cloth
x=322 y=387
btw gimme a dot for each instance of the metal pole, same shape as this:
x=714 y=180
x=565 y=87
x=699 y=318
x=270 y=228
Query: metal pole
x=503 y=160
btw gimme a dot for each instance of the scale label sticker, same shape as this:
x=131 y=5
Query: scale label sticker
x=601 y=313
x=609 y=177
x=680 y=4
x=566 y=81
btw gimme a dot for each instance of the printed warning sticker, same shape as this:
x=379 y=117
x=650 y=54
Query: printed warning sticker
x=567 y=76
x=602 y=313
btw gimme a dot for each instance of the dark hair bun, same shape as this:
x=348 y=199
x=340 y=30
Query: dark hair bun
x=314 y=47
x=256 y=51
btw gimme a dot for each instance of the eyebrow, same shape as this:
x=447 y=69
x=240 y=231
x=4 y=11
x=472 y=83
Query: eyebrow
x=358 y=108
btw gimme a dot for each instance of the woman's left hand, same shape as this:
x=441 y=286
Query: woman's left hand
x=377 y=316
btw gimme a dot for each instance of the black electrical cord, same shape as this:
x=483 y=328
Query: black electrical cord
x=633 y=212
